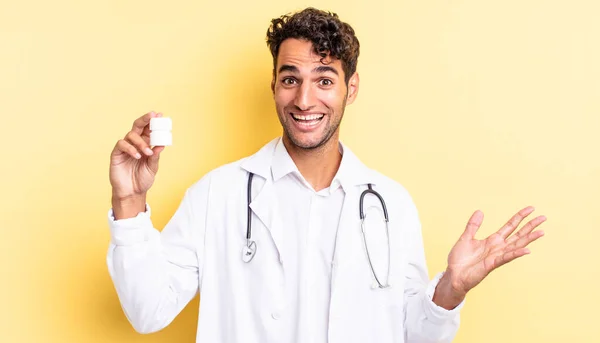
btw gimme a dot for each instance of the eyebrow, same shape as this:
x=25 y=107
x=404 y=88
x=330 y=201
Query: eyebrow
x=319 y=69
x=287 y=67
x=324 y=69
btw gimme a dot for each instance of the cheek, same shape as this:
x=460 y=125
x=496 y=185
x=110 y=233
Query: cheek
x=280 y=104
x=333 y=99
x=283 y=98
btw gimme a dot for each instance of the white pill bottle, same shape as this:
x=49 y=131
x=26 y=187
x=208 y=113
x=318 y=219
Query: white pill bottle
x=160 y=131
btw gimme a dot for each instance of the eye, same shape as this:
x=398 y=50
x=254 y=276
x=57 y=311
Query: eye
x=325 y=82
x=288 y=81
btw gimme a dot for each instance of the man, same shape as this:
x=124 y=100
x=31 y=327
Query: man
x=275 y=242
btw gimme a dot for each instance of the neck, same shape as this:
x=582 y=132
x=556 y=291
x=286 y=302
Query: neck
x=318 y=166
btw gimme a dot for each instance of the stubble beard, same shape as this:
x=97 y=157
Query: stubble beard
x=326 y=138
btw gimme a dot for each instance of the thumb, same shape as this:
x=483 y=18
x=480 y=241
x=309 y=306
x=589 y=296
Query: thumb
x=472 y=226
x=153 y=159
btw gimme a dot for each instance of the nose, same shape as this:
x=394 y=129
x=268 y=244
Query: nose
x=305 y=99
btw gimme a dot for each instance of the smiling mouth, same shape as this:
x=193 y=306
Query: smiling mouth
x=307 y=119
x=307 y=122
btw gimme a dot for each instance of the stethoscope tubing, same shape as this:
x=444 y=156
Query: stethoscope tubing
x=250 y=248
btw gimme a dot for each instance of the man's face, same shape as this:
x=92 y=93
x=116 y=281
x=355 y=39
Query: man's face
x=310 y=96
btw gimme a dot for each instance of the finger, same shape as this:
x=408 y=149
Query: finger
x=137 y=141
x=510 y=256
x=157 y=150
x=514 y=222
x=125 y=147
x=525 y=230
x=146 y=132
x=146 y=135
x=526 y=240
x=143 y=121
x=472 y=226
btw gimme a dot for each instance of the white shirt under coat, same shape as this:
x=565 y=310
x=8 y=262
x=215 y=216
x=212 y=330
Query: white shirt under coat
x=310 y=279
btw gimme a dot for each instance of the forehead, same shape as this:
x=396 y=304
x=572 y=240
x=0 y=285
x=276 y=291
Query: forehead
x=300 y=52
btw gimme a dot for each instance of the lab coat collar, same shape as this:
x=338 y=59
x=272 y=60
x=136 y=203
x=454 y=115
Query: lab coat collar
x=260 y=163
x=273 y=162
x=352 y=171
x=282 y=162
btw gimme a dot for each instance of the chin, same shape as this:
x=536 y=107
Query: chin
x=307 y=143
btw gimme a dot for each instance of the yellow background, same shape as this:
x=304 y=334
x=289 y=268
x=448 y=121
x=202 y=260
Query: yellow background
x=490 y=105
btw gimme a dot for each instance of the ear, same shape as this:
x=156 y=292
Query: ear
x=352 y=88
x=273 y=83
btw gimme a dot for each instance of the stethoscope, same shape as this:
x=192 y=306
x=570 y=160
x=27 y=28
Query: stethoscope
x=249 y=250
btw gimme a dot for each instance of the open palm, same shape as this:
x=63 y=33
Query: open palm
x=471 y=260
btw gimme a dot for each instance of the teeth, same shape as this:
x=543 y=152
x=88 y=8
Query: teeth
x=307 y=117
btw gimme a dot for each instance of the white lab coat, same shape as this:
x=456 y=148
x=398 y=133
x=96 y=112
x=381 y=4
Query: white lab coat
x=157 y=274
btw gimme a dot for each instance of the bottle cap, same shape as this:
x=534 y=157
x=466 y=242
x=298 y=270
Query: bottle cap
x=161 y=123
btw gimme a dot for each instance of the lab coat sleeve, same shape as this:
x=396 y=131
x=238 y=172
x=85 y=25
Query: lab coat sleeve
x=155 y=273
x=425 y=322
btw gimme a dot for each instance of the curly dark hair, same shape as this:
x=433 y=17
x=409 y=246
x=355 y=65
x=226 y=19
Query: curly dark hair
x=328 y=34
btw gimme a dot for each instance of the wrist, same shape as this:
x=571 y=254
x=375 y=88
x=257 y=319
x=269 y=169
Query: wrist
x=129 y=206
x=447 y=293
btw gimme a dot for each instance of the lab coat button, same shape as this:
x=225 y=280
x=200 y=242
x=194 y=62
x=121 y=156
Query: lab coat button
x=275 y=315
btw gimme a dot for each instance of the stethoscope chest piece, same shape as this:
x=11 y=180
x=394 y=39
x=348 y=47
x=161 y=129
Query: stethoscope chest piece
x=249 y=251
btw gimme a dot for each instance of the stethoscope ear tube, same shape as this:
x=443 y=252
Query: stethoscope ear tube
x=387 y=279
x=249 y=195
x=249 y=249
x=361 y=208
x=387 y=232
